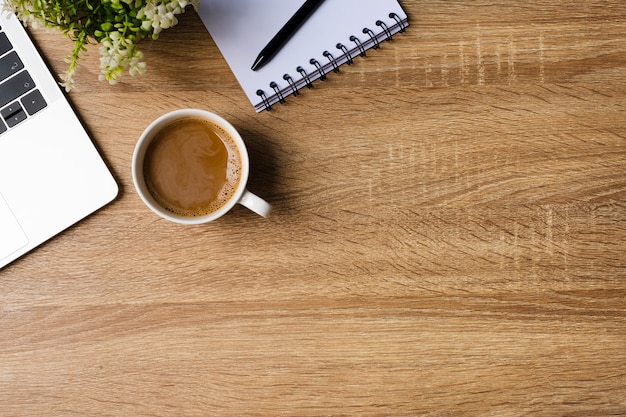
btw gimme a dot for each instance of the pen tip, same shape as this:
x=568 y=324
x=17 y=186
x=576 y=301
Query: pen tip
x=258 y=62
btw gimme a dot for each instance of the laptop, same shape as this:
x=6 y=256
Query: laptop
x=51 y=175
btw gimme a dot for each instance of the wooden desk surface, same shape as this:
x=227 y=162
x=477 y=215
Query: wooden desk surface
x=448 y=236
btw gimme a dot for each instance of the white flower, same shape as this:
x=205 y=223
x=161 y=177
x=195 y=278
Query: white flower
x=67 y=79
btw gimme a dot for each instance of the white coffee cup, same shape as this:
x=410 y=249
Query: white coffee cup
x=240 y=194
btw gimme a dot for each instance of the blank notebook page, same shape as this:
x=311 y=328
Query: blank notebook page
x=242 y=28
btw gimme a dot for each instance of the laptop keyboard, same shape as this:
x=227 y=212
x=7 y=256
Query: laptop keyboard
x=19 y=99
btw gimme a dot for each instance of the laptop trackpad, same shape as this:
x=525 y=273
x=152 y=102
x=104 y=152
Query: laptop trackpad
x=12 y=236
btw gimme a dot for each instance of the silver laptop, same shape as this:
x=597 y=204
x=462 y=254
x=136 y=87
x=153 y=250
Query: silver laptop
x=51 y=175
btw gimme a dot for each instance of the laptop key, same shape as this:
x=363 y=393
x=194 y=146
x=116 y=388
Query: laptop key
x=15 y=87
x=33 y=102
x=10 y=109
x=16 y=118
x=10 y=65
x=5 y=44
x=13 y=114
x=3 y=128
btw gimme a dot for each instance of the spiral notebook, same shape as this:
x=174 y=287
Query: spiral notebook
x=337 y=33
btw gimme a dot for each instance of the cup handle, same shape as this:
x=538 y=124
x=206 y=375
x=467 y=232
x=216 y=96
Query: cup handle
x=255 y=203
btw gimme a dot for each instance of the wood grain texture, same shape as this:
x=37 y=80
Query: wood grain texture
x=448 y=236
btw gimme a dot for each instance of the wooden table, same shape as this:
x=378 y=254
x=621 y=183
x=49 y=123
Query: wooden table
x=448 y=235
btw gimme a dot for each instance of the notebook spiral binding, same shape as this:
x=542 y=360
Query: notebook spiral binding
x=345 y=55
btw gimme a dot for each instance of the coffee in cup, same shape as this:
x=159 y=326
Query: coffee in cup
x=191 y=166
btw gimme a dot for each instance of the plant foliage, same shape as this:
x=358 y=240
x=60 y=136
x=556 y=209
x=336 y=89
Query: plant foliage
x=116 y=25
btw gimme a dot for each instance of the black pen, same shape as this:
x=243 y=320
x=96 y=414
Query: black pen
x=285 y=33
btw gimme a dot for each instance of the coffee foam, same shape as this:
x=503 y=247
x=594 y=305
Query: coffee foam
x=233 y=174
